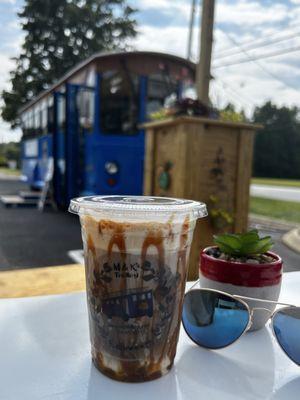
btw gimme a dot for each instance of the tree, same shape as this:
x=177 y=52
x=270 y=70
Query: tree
x=9 y=151
x=58 y=35
x=276 y=148
x=229 y=113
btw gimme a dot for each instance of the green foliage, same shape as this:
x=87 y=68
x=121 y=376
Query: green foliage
x=278 y=209
x=276 y=148
x=230 y=114
x=220 y=218
x=3 y=161
x=244 y=244
x=58 y=35
x=9 y=151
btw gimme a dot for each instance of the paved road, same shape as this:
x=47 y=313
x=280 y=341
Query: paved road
x=291 y=259
x=29 y=238
x=275 y=192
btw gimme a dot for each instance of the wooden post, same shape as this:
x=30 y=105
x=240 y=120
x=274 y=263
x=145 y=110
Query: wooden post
x=244 y=173
x=206 y=39
x=191 y=30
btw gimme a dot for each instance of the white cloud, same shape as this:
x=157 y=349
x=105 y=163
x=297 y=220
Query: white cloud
x=249 y=13
x=168 y=39
x=7 y=1
x=245 y=85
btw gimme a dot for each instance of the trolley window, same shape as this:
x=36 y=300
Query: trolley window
x=85 y=105
x=44 y=116
x=61 y=111
x=37 y=119
x=50 y=115
x=119 y=102
x=161 y=89
x=189 y=89
x=30 y=123
x=31 y=148
x=24 y=119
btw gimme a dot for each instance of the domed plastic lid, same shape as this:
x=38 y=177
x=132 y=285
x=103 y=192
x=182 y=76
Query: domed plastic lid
x=138 y=206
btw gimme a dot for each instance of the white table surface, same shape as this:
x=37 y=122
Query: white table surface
x=45 y=354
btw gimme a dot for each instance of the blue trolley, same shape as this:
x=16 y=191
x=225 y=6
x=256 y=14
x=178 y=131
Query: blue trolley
x=88 y=122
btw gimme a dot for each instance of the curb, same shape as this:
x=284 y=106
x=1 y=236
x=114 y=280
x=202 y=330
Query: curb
x=261 y=222
x=292 y=239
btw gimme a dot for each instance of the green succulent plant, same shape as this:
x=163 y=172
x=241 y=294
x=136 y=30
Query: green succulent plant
x=243 y=244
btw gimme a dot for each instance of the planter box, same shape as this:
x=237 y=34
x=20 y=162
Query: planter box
x=195 y=158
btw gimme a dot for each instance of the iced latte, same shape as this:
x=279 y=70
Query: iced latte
x=136 y=257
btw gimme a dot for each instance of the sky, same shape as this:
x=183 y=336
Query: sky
x=239 y=24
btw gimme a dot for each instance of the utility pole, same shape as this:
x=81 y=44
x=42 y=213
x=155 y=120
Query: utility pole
x=206 y=39
x=191 y=30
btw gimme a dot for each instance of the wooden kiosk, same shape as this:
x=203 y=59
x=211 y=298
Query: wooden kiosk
x=201 y=159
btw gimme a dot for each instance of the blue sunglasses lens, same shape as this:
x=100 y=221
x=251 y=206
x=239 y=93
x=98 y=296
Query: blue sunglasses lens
x=212 y=319
x=286 y=325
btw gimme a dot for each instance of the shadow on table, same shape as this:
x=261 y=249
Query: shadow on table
x=101 y=387
x=289 y=391
x=203 y=373
x=226 y=373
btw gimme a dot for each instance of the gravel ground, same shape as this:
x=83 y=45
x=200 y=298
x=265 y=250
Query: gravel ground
x=29 y=238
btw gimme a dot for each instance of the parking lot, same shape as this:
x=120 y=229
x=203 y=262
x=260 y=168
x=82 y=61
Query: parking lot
x=29 y=238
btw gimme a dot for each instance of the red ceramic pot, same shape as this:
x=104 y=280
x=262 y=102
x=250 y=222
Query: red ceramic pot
x=261 y=281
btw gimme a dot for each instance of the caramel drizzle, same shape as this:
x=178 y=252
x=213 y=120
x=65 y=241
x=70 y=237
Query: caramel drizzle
x=92 y=249
x=152 y=239
x=156 y=240
x=183 y=241
x=91 y=246
x=118 y=240
x=171 y=344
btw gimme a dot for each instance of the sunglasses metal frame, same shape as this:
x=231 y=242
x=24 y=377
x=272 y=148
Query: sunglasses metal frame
x=250 y=314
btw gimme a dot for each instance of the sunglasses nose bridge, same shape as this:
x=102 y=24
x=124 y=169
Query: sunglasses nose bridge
x=252 y=313
x=255 y=309
x=250 y=322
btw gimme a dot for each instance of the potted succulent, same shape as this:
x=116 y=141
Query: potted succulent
x=243 y=264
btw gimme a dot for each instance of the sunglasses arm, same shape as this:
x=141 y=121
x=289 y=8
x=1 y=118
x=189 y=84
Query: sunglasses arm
x=262 y=300
x=248 y=298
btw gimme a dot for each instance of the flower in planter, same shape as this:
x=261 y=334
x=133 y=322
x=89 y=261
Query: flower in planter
x=242 y=264
x=220 y=218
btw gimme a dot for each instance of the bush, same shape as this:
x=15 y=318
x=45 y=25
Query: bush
x=3 y=161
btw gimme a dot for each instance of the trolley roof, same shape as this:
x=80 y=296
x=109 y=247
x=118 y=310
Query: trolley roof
x=98 y=57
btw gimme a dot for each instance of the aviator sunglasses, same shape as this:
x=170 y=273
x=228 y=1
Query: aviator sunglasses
x=215 y=319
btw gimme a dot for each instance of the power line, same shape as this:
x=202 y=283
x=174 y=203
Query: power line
x=257 y=46
x=262 y=56
x=235 y=95
x=258 y=41
x=250 y=58
x=243 y=97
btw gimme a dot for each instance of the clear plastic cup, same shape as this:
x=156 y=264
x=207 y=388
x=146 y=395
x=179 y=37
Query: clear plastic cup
x=136 y=253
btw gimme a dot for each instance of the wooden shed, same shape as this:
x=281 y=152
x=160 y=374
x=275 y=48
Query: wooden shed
x=202 y=159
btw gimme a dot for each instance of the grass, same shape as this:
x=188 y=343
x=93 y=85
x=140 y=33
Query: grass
x=285 y=210
x=276 y=182
x=8 y=171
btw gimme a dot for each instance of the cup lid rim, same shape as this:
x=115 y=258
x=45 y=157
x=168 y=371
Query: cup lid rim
x=137 y=205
